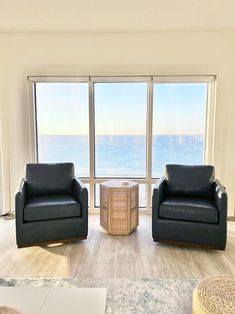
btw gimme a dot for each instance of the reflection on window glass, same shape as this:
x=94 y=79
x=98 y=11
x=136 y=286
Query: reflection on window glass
x=63 y=124
x=120 y=129
x=178 y=124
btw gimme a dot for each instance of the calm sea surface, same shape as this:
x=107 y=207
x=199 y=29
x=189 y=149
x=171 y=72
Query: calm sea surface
x=121 y=155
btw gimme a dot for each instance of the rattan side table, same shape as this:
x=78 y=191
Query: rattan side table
x=119 y=206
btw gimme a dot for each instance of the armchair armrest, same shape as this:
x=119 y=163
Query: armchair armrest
x=20 y=200
x=81 y=193
x=220 y=198
x=158 y=195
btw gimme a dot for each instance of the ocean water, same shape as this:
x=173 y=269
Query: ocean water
x=121 y=155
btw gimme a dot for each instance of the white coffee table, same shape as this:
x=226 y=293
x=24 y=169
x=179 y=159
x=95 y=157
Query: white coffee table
x=54 y=300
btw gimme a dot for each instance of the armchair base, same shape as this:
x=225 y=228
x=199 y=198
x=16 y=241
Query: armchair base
x=206 y=246
x=51 y=242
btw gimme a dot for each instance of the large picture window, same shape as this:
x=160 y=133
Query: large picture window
x=122 y=127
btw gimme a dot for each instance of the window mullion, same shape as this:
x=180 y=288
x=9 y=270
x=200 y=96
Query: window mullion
x=149 y=132
x=91 y=144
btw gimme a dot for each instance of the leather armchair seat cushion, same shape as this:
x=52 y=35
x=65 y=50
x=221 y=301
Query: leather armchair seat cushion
x=194 y=181
x=189 y=209
x=41 y=208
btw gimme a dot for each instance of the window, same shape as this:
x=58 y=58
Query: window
x=123 y=128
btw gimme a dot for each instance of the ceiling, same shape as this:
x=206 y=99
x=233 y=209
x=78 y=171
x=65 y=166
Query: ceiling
x=116 y=16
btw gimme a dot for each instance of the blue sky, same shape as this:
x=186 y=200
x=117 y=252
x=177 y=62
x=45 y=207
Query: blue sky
x=121 y=108
x=62 y=108
x=179 y=108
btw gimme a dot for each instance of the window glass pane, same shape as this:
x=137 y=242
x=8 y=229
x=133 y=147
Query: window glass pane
x=63 y=124
x=97 y=195
x=179 y=114
x=87 y=185
x=120 y=129
x=142 y=195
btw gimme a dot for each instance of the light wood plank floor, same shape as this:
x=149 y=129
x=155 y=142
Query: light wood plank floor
x=105 y=256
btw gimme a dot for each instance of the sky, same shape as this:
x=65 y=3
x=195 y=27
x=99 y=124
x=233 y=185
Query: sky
x=120 y=108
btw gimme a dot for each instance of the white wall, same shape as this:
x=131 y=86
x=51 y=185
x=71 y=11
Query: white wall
x=184 y=53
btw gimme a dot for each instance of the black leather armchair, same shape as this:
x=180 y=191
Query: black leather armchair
x=190 y=207
x=51 y=205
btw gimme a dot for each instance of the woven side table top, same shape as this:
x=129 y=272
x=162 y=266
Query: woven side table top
x=215 y=295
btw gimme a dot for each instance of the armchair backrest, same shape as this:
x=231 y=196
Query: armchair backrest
x=49 y=179
x=195 y=181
